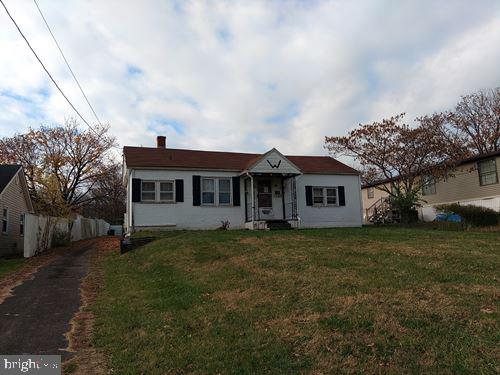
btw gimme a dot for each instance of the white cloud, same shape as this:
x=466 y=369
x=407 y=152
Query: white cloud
x=246 y=75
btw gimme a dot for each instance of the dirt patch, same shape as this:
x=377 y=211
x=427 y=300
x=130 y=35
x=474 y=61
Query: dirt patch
x=86 y=359
x=31 y=266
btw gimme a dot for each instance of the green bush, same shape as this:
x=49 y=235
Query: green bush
x=60 y=238
x=472 y=215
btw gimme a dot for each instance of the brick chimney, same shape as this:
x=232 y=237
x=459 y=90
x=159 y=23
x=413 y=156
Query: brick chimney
x=161 y=141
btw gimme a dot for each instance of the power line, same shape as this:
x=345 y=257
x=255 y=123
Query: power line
x=66 y=61
x=44 y=68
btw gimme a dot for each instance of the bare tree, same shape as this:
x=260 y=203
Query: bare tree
x=476 y=121
x=109 y=194
x=63 y=164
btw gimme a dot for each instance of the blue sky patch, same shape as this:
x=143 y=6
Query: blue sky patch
x=178 y=126
x=12 y=95
x=223 y=34
x=133 y=70
x=289 y=112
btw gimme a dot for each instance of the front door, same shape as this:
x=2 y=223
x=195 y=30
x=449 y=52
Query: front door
x=265 y=199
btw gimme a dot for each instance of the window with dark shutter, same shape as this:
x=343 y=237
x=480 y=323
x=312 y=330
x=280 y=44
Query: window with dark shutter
x=179 y=190
x=136 y=190
x=341 y=196
x=236 y=191
x=196 y=190
x=309 y=196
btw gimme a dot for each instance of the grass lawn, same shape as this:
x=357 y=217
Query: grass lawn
x=313 y=301
x=8 y=265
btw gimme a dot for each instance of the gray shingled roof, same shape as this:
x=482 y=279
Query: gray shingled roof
x=7 y=172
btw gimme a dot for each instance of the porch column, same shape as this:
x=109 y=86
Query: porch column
x=283 y=196
x=253 y=198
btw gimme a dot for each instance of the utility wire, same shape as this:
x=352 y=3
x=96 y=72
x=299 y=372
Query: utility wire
x=67 y=63
x=44 y=68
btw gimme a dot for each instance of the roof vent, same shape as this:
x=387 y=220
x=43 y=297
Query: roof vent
x=161 y=141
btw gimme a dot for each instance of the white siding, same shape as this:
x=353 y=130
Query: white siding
x=183 y=215
x=341 y=216
x=273 y=162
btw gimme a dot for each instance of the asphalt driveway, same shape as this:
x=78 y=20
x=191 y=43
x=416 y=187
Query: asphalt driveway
x=36 y=317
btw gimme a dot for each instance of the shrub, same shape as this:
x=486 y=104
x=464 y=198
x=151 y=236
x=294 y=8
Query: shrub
x=472 y=215
x=224 y=225
x=60 y=238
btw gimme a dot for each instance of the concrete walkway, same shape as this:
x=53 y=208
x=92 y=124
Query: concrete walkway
x=36 y=317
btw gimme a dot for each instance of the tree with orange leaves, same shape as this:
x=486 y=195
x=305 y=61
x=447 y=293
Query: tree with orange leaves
x=63 y=164
x=400 y=154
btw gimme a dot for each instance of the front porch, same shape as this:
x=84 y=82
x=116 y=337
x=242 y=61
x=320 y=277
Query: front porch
x=270 y=201
x=271 y=193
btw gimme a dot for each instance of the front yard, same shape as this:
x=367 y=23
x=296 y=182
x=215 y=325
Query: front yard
x=313 y=301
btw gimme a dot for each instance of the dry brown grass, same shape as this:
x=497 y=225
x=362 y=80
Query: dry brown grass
x=86 y=359
x=319 y=302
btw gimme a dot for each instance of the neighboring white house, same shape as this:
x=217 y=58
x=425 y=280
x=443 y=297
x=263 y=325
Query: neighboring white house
x=188 y=189
x=15 y=202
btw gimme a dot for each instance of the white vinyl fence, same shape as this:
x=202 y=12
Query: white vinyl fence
x=41 y=232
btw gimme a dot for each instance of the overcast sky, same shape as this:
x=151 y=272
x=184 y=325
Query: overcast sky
x=245 y=76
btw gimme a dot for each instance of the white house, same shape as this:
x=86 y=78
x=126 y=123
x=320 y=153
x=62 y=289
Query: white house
x=188 y=189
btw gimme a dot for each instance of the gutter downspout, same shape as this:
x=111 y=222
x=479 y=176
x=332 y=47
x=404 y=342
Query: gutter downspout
x=296 y=202
x=361 y=201
x=131 y=204
x=253 y=198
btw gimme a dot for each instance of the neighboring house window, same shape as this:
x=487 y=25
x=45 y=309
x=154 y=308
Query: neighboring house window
x=370 y=192
x=21 y=225
x=148 y=191
x=208 y=191
x=5 y=220
x=224 y=191
x=325 y=196
x=429 y=185
x=216 y=191
x=487 y=172
x=167 y=191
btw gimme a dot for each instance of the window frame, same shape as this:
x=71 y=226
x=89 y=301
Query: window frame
x=208 y=191
x=322 y=190
x=370 y=192
x=166 y=191
x=481 y=174
x=324 y=194
x=428 y=182
x=336 y=189
x=148 y=191
x=5 y=219
x=216 y=191
x=230 y=191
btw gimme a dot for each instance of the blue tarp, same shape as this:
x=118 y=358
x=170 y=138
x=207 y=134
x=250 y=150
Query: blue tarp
x=449 y=217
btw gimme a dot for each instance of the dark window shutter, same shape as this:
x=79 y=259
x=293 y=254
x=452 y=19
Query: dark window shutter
x=179 y=190
x=309 y=195
x=341 y=196
x=236 y=191
x=196 y=190
x=136 y=190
